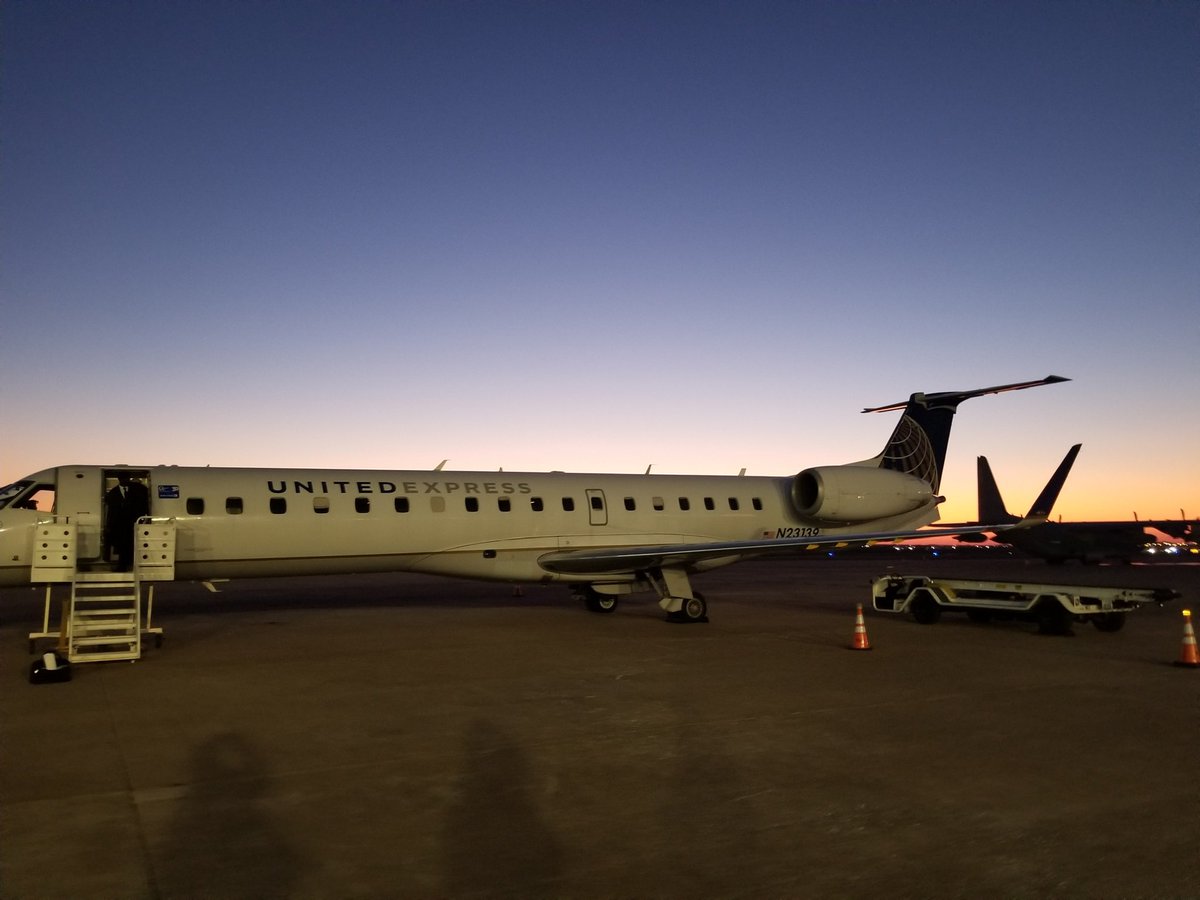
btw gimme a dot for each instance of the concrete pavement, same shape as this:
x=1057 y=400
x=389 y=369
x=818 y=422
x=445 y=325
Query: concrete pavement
x=403 y=736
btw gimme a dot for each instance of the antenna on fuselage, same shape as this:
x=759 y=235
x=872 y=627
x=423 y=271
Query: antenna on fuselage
x=438 y=467
x=649 y=467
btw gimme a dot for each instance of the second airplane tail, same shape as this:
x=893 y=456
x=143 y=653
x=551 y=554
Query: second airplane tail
x=991 y=504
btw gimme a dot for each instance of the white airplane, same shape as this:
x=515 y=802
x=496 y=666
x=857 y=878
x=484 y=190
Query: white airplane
x=603 y=535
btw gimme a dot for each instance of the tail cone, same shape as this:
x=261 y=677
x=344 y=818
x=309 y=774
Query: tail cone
x=861 y=641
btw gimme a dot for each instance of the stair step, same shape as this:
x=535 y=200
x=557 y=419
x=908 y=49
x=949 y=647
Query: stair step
x=102 y=577
x=98 y=640
x=102 y=657
x=108 y=611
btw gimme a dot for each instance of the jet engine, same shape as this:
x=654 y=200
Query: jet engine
x=846 y=494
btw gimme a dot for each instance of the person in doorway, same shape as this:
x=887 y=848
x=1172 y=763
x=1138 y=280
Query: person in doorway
x=124 y=504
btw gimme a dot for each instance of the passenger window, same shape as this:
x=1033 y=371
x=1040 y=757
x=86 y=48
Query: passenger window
x=362 y=504
x=630 y=504
x=685 y=504
x=472 y=504
x=757 y=503
x=320 y=505
x=536 y=504
x=597 y=503
x=505 y=504
x=233 y=506
x=708 y=503
x=568 y=504
x=278 y=505
x=658 y=504
x=195 y=506
x=733 y=504
x=401 y=504
x=437 y=504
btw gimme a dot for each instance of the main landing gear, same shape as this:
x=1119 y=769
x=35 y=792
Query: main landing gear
x=675 y=595
x=691 y=610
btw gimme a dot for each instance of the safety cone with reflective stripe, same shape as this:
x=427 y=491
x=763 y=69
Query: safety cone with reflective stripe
x=1188 y=654
x=861 y=641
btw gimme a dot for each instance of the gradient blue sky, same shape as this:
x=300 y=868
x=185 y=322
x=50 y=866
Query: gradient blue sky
x=596 y=236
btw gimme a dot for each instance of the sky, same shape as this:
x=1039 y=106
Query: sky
x=598 y=236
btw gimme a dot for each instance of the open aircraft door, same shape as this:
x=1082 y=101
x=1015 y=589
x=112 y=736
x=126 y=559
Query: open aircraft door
x=79 y=497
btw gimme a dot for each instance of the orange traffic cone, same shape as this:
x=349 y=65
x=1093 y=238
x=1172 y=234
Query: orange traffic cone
x=861 y=641
x=1188 y=654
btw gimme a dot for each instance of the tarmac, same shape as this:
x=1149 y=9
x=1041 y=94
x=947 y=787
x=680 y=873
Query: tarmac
x=406 y=736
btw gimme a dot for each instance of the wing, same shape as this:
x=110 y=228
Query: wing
x=628 y=560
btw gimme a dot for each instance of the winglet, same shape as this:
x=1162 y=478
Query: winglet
x=991 y=506
x=1045 y=501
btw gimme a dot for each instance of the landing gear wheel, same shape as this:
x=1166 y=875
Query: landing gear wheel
x=597 y=602
x=601 y=603
x=695 y=609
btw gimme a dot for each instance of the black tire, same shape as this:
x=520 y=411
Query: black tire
x=598 y=602
x=1110 y=621
x=924 y=608
x=1051 y=617
x=694 y=609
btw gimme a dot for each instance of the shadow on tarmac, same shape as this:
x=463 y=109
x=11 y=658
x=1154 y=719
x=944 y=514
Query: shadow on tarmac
x=495 y=837
x=223 y=841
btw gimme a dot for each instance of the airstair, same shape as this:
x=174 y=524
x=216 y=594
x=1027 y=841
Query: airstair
x=103 y=618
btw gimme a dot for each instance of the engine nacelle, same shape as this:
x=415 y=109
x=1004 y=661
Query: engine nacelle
x=846 y=494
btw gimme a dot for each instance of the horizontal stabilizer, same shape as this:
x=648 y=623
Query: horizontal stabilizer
x=951 y=399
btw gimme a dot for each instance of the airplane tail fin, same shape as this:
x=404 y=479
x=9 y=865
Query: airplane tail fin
x=918 y=445
x=991 y=506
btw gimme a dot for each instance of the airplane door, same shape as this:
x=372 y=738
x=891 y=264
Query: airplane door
x=597 y=510
x=79 y=497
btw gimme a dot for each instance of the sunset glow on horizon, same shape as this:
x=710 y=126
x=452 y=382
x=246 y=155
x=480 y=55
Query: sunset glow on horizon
x=600 y=237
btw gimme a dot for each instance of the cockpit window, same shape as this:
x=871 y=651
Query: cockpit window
x=41 y=497
x=12 y=491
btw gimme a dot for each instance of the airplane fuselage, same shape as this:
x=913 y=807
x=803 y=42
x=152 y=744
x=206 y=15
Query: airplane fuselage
x=235 y=522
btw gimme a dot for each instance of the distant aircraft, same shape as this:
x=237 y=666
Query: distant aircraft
x=1056 y=542
x=604 y=535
